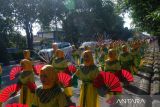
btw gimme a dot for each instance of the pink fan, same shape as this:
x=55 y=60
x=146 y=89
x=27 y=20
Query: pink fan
x=64 y=79
x=14 y=71
x=37 y=68
x=32 y=86
x=8 y=91
x=17 y=105
x=109 y=80
x=72 y=68
x=127 y=75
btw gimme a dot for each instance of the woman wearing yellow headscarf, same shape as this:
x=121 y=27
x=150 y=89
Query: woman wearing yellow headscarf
x=26 y=54
x=50 y=94
x=59 y=63
x=25 y=79
x=125 y=59
x=87 y=73
x=112 y=64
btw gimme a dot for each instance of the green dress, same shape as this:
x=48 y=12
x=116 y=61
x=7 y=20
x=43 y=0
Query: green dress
x=59 y=64
x=136 y=57
x=103 y=57
x=53 y=97
x=112 y=66
x=88 y=93
x=126 y=61
x=76 y=56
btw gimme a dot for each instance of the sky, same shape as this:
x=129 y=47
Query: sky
x=36 y=26
x=127 y=21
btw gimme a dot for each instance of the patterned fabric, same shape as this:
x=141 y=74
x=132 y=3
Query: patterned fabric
x=126 y=60
x=88 y=93
x=112 y=66
x=45 y=95
x=26 y=73
x=59 y=64
x=86 y=69
x=26 y=94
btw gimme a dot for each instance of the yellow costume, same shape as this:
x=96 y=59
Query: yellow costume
x=50 y=94
x=75 y=55
x=87 y=73
x=125 y=59
x=54 y=47
x=26 y=54
x=59 y=63
x=112 y=64
x=27 y=76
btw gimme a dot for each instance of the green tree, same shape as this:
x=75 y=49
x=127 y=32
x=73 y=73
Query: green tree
x=93 y=16
x=25 y=13
x=49 y=13
x=145 y=14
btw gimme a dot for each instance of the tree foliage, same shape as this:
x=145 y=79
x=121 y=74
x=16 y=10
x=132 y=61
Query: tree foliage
x=145 y=14
x=25 y=12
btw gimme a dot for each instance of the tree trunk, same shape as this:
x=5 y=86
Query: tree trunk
x=29 y=34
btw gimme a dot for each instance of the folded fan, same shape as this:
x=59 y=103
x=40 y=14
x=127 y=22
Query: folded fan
x=8 y=91
x=72 y=68
x=17 y=105
x=37 y=68
x=108 y=80
x=127 y=75
x=32 y=86
x=14 y=71
x=64 y=79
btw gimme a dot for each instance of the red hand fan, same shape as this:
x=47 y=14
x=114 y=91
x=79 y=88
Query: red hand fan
x=14 y=71
x=37 y=68
x=64 y=79
x=72 y=68
x=32 y=86
x=108 y=79
x=127 y=75
x=17 y=105
x=8 y=91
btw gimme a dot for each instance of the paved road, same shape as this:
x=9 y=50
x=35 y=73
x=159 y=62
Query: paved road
x=143 y=92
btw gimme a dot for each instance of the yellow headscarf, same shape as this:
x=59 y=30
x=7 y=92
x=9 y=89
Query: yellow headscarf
x=112 y=54
x=26 y=65
x=60 y=53
x=50 y=76
x=88 y=58
x=26 y=54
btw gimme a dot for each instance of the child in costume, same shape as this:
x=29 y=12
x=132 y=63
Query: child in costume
x=103 y=55
x=75 y=55
x=59 y=62
x=54 y=47
x=136 y=56
x=26 y=78
x=112 y=64
x=50 y=94
x=97 y=50
x=26 y=54
x=87 y=73
x=125 y=59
